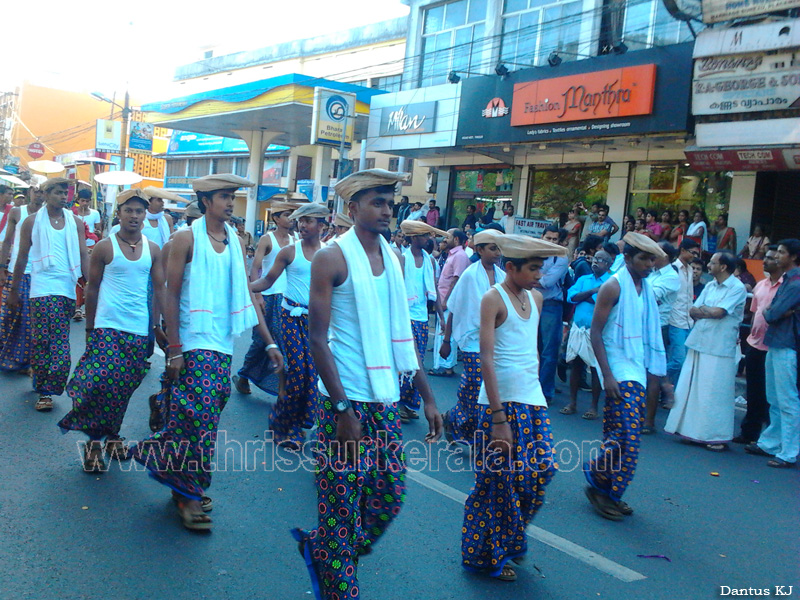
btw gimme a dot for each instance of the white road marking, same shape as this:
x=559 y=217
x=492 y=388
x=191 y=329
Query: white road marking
x=584 y=555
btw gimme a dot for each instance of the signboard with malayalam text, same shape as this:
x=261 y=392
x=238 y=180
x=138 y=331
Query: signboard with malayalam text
x=745 y=83
x=715 y=11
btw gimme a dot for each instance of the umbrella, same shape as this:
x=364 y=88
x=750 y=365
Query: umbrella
x=46 y=166
x=16 y=181
x=118 y=178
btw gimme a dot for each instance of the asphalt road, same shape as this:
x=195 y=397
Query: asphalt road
x=67 y=535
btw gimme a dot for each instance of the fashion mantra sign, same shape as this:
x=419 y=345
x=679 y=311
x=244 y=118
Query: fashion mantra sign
x=408 y=119
x=623 y=92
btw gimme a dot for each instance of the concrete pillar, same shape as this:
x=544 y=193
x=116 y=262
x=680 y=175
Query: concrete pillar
x=740 y=212
x=291 y=170
x=522 y=191
x=617 y=191
x=257 y=142
x=362 y=159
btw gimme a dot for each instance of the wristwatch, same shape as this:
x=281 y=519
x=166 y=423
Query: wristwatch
x=340 y=406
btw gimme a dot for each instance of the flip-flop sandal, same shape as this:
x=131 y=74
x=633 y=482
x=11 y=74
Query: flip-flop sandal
x=779 y=463
x=93 y=458
x=507 y=574
x=648 y=430
x=623 y=507
x=716 y=447
x=754 y=448
x=44 y=404
x=589 y=415
x=206 y=502
x=305 y=551
x=441 y=373
x=156 y=421
x=604 y=511
x=194 y=521
x=567 y=410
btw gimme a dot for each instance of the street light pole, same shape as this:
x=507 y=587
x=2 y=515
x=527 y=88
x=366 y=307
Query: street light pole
x=126 y=111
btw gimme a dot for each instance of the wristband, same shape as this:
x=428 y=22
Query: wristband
x=271 y=347
x=175 y=346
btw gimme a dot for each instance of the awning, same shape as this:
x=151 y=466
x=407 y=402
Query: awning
x=747 y=158
x=280 y=104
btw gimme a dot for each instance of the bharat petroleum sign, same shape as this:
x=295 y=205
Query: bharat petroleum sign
x=608 y=94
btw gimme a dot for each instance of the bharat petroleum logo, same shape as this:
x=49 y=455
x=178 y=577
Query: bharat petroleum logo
x=336 y=108
x=495 y=108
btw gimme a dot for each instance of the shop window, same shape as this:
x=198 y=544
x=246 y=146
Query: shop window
x=390 y=83
x=452 y=40
x=370 y=164
x=222 y=165
x=533 y=29
x=487 y=189
x=199 y=167
x=242 y=164
x=553 y=192
x=394 y=165
x=648 y=24
x=176 y=168
x=678 y=187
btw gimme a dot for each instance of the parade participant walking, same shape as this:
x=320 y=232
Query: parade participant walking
x=583 y=294
x=756 y=354
x=421 y=288
x=455 y=265
x=15 y=323
x=295 y=411
x=90 y=216
x=256 y=364
x=781 y=440
x=551 y=323
x=158 y=225
x=362 y=341
x=6 y=206
x=53 y=239
x=513 y=455
x=463 y=324
x=118 y=325
x=207 y=304
x=626 y=339
x=703 y=410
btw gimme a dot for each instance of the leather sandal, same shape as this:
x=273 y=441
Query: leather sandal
x=44 y=404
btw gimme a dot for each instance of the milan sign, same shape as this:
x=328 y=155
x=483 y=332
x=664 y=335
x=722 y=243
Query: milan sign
x=408 y=119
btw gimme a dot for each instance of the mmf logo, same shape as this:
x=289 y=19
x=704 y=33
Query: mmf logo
x=495 y=108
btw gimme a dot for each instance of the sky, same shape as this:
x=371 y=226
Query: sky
x=102 y=45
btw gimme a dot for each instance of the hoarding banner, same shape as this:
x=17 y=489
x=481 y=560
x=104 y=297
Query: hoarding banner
x=333 y=115
x=634 y=93
x=715 y=11
x=141 y=137
x=745 y=83
x=531 y=227
x=108 y=136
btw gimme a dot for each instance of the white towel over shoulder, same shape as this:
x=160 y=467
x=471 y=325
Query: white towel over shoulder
x=383 y=365
x=42 y=251
x=242 y=314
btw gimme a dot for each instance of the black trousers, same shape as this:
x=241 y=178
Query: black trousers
x=757 y=406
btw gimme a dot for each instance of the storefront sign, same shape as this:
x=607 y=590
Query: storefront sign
x=715 y=11
x=744 y=159
x=745 y=83
x=532 y=227
x=614 y=93
x=108 y=136
x=634 y=93
x=408 y=119
x=185 y=142
x=333 y=117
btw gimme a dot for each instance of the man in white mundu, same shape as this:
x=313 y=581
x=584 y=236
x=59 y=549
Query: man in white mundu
x=55 y=242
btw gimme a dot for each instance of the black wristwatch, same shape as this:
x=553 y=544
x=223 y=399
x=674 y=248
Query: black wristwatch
x=340 y=406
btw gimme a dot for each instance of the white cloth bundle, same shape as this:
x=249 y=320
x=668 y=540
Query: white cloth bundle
x=465 y=303
x=41 y=253
x=163 y=226
x=641 y=341
x=242 y=313
x=385 y=358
